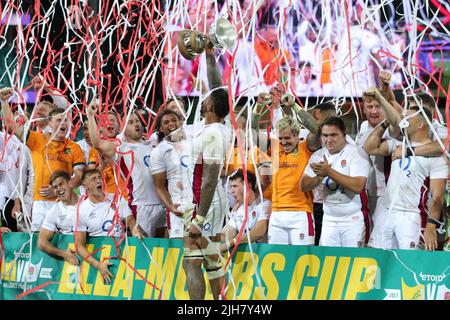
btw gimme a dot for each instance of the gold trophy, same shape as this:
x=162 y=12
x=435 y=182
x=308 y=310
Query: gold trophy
x=192 y=43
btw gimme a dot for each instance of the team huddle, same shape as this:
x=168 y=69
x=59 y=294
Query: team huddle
x=207 y=182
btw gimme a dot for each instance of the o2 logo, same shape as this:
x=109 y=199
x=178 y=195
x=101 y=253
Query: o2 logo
x=147 y=161
x=406 y=168
x=107 y=225
x=333 y=186
x=183 y=161
x=330 y=184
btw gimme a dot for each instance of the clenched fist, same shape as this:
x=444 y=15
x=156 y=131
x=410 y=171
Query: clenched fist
x=6 y=93
x=385 y=78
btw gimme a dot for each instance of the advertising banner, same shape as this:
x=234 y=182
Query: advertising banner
x=152 y=269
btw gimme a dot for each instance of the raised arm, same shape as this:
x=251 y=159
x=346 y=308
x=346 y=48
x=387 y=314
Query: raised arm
x=393 y=116
x=104 y=146
x=374 y=144
x=58 y=98
x=5 y=94
x=213 y=73
x=385 y=82
x=307 y=119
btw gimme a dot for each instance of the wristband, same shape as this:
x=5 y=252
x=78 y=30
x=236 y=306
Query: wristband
x=297 y=108
x=198 y=220
x=384 y=125
x=409 y=151
x=432 y=221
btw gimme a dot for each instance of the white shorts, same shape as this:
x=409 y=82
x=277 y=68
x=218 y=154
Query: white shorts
x=395 y=227
x=350 y=231
x=38 y=212
x=291 y=227
x=214 y=220
x=150 y=218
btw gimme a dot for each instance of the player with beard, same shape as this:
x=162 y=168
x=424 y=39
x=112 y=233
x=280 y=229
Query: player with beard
x=133 y=155
x=403 y=212
x=101 y=156
x=342 y=168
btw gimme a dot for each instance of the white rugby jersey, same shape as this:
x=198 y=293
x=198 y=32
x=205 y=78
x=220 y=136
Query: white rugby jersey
x=141 y=189
x=408 y=185
x=60 y=218
x=210 y=144
x=174 y=159
x=257 y=211
x=97 y=218
x=339 y=202
x=379 y=165
x=318 y=192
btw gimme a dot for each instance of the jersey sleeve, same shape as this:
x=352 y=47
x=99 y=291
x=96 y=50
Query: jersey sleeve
x=33 y=139
x=51 y=219
x=439 y=169
x=392 y=143
x=83 y=213
x=157 y=160
x=93 y=156
x=78 y=156
x=359 y=167
x=303 y=146
x=264 y=210
x=233 y=223
x=213 y=147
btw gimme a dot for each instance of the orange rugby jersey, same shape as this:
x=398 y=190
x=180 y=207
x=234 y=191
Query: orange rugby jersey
x=234 y=162
x=108 y=173
x=287 y=173
x=49 y=156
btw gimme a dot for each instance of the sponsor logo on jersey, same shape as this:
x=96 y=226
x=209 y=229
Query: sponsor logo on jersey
x=412 y=245
x=207 y=226
x=285 y=164
x=343 y=163
x=147 y=161
x=107 y=225
x=183 y=162
x=254 y=214
x=67 y=151
x=302 y=236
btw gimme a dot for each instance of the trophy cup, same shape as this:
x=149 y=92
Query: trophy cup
x=192 y=43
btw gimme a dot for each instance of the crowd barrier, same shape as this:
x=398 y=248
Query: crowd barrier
x=152 y=269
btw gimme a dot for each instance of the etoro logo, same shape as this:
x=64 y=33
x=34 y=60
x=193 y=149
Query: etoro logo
x=432 y=277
